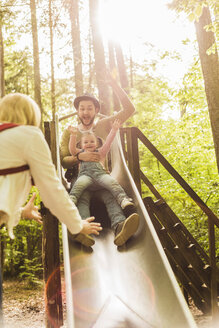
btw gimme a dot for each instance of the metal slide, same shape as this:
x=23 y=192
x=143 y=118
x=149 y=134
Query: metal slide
x=133 y=286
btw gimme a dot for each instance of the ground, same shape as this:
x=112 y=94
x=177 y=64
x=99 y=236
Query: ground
x=24 y=307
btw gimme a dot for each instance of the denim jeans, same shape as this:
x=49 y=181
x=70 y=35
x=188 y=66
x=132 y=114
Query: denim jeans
x=114 y=210
x=91 y=176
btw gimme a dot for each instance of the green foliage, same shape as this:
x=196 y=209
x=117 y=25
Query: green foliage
x=31 y=272
x=175 y=120
x=23 y=255
x=193 y=9
x=185 y=140
x=18 y=71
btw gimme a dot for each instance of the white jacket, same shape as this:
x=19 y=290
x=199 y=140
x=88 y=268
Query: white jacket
x=26 y=145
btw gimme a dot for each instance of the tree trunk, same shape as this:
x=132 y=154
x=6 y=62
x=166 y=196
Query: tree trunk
x=100 y=66
x=121 y=67
x=52 y=62
x=113 y=69
x=91 y=66
x=2 y=71
x=210 y=70
x=36 y=60
x=131 y=70
x=76 y=46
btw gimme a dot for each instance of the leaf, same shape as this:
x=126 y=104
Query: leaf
x=191 y=17
x=198 y=10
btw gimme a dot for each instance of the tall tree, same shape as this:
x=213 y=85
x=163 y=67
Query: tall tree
x=99 y=56
x=198 y=12
x=76 y=45
x=210 y=70
x=121 y=67
x=36 y=60
x=52 y=61
x=131 y=69
x=113 y=68
x=91 y=66
x=2 y=70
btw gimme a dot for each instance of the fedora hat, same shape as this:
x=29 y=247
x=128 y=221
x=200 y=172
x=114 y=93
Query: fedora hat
x=86 y=96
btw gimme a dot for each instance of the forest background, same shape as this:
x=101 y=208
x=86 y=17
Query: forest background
x=53 y=50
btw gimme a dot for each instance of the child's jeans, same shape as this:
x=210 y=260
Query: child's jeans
x=93 y=175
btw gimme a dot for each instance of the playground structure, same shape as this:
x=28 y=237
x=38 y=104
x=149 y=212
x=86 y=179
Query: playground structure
x=135 y=286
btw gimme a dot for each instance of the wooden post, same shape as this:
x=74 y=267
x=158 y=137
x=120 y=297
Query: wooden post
x=214 y=305
x=51 y=254
x=133 y=156
x=1 y=280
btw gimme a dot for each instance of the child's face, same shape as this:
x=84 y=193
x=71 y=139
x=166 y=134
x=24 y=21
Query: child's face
x=89 y=143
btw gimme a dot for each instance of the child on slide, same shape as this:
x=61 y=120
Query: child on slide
x=94 y=174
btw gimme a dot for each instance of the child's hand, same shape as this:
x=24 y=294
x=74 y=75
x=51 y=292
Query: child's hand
x=73 y=130
x=116 y=125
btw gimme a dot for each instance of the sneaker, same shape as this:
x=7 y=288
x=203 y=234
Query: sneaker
x=126 y=229
x=83 y=239
x=126 y=202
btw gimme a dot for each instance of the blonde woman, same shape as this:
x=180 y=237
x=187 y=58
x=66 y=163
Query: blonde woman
x=25 y=154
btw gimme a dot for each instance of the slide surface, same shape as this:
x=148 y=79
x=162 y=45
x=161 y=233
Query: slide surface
x=130 y=286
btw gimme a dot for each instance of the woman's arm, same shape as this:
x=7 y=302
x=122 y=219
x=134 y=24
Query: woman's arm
x=52 y=192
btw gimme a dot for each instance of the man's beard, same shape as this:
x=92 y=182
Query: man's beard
x=88 y=124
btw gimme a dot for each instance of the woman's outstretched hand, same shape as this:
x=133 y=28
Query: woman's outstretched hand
x=30 y=211
x=90 y=227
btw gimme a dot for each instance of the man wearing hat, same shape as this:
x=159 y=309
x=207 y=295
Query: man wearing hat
x=87 y=107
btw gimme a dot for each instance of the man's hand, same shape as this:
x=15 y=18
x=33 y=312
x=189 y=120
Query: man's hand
x=89 y=156
x=30 y=211
x=90 y=227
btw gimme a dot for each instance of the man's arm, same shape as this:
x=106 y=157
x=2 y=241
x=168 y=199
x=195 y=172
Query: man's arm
x=128 y=107
x=107 y=144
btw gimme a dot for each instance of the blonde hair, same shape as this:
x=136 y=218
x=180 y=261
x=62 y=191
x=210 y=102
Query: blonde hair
x=19 y=108
x=99 y=141
x=88 y=133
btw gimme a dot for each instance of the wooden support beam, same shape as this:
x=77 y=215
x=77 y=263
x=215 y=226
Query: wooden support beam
x=183 y=269
x=52 y=275
x=51 y=253
x=214 y=272
x=133 y=157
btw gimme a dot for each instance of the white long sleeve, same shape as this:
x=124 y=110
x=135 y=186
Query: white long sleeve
x=27 y=145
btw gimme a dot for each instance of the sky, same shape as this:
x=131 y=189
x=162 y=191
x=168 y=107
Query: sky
x=134 y=22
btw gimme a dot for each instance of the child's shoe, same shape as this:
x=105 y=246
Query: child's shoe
x=126 y=229
x=126 y=202
x=83 y=239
